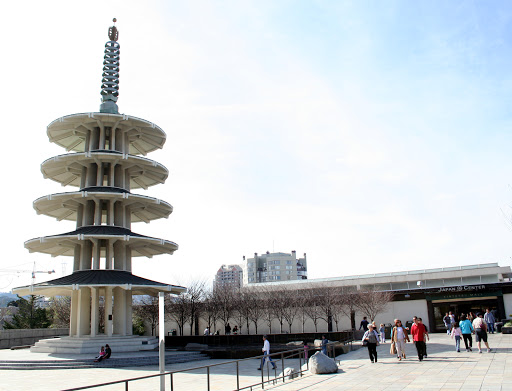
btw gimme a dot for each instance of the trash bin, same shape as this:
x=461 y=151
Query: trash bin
x=173 y=332
x=408 y=324
x=387 y=330
x=499 y=325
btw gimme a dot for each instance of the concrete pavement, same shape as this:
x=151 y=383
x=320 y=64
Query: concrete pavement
x=444 y=369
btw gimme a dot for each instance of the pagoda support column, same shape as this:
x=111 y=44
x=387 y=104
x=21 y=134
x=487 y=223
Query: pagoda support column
x=84 y=312
x=74 y=314
x=96 y=250
x=129 y=318
x=95 y=311
x=109 y=250
x=119 y=311
x=108 y=311
x=86 y=255
x=76 y=257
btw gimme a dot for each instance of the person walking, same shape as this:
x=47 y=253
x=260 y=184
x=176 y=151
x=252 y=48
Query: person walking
x=481 y=332
x=466 y=329
x=426 y=331
x=325 y=341
x=371 y=338
x=419 y=333
x=382 y=332
x=456 y=333
x=447 y=323
x=364 y=324
x=399 y=337
x=266 y=354
x=490 y=320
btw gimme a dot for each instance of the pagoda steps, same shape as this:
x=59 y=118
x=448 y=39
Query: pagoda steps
x=112 y=362
x=92 y=345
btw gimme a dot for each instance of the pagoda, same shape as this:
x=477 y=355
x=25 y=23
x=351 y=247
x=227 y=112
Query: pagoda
x=104 y=159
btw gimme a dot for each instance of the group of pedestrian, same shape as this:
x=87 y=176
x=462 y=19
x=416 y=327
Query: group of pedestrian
x=463 y=329
x=399 y=337
x=227 y=330
x=479 y=326
x=381 y=330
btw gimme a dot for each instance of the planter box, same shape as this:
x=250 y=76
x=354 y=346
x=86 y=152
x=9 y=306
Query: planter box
x=506 y=330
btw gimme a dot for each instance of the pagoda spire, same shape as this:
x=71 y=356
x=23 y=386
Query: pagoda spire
x=110 y=76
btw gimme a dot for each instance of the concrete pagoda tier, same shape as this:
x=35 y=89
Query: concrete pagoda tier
x=105 y=164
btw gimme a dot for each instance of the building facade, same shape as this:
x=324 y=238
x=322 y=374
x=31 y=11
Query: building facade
x=228 y=276
x=275 y=267
x=426 y=293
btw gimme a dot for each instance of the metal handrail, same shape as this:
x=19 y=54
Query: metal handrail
x=299 y=352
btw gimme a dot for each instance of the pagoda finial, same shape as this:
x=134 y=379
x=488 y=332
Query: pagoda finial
x=113 y=34
x=110 y=76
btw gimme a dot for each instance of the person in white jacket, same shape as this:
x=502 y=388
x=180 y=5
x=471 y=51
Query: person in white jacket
x=266 y=354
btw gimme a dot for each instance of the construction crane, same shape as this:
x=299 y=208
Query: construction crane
x=34 y=271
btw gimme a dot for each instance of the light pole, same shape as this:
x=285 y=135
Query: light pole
x=161 y=338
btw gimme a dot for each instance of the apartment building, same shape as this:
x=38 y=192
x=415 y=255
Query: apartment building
x=274 y=267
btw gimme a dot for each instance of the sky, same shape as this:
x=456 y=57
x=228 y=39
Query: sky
x=375 y=136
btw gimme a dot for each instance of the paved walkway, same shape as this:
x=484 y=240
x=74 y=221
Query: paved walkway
x=444 y=369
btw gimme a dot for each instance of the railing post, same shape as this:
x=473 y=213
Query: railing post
x=172 y=383
x=262 y=363
x=282 y=364
x=237 y=377
x=300 y=361
x=126 y=386
x=208 y=377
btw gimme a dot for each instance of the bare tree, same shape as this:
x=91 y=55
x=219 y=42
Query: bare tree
x=193 y=298
x=225 y=299
x=291 y=301
x=147 y=309
x=60 y=309
x=210 y=309
x=267 y=296
x=243 y=302
x=277 y=299
x=256 y=308
x=371 y=302
x=337 y=306
x=348 y=303
x=325 y=298
x=301 y=301
x=312 y=306
x=177 y=309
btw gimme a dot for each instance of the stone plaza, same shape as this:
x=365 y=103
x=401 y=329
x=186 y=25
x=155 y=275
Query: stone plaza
x=444 y=369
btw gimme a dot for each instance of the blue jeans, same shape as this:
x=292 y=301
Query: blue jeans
x=457 y=343
x=491 y=327
x=267 y=357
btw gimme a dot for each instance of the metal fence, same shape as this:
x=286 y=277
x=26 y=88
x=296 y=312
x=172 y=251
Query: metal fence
x=268 y=375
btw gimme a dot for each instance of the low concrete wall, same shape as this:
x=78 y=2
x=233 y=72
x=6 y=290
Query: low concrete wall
x=18 y=337
x=253 y=339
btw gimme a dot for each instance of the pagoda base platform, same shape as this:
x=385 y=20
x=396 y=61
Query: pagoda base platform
x=92 y=345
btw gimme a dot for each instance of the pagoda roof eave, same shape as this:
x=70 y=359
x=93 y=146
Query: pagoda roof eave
x=64 y=286
x=70 y=131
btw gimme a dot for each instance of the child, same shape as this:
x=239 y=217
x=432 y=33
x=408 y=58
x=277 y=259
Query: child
x=102 y=354
x=382 y=332
x=457 y=333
